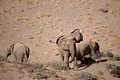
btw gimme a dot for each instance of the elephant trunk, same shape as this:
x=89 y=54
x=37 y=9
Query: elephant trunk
x=73 y=52
x=7 y=55
x=72 y=58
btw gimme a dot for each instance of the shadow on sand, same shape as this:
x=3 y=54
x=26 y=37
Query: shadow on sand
x=89 y=61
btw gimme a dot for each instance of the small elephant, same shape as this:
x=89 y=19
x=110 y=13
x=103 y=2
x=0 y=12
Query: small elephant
x=86 y=48
x=67 y=46
x=19 y=51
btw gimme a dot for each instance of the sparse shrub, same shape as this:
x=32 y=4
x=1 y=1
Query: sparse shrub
x=40 y=75
x=2 y=58
x=112 y=57
x=35 y=65
x=113 y=69
x=116 y=71
x=20 y=69
x=52 y=72
x=109 y=55
x=116 y=58
x=97 y=55
x=85 y=76
x=58 y=65
x=109 y=66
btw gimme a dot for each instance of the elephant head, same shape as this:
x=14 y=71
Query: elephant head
x=77 y=35
x=10 y=50
x=95 y=47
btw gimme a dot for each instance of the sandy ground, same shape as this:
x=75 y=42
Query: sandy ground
x=38 y=23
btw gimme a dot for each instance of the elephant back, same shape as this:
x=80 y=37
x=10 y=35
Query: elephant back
x=62 y=42
x=19 y=47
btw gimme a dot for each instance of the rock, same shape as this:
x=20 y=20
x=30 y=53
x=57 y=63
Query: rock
x=95 y=33
x=51 y=41
x=103 y=10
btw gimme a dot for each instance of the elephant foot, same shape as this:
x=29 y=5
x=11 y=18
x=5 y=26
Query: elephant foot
x=68 y=68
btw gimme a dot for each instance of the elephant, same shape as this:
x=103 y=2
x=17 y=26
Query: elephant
x=86 y=48
x=67 y=46
x=19 y=51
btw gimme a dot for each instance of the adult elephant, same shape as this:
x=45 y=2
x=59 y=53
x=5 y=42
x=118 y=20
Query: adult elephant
x=67 y=46
x=19 y=51
x=87 y=48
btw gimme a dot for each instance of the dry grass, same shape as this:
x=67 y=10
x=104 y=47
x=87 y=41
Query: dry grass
x=84 y=76
x=111 y=56
x=40 y=14
x=58 y=65
x=2 y=58
x=113 y=69
x=39 y=75
x=19 y=18
x=116 y=58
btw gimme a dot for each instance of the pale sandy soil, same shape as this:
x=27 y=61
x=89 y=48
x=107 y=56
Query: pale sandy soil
x=36 y=22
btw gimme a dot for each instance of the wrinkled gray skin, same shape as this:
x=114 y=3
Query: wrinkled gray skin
x=86 y=48
x=67 y=46
x=19 y=51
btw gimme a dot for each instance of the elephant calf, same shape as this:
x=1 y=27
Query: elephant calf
x=19 y=51
x=85 y=48
x=67 y=46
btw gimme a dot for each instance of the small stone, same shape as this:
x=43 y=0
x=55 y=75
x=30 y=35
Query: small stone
x=51 y=41
x=95 y=33
x=103 y=10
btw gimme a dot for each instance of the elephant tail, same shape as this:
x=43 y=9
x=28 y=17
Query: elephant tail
x=27 y=49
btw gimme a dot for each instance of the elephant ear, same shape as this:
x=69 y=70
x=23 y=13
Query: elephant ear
x=75 y=32
x=12 y=47
x=62 y=43
x=27 y=51
x=77 y=35
x=96 y=47
x=9 y=50
x=92 y=44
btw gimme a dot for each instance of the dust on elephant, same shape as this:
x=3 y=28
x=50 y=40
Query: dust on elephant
x=19 y=51
x=86 y=48
x=67 y=46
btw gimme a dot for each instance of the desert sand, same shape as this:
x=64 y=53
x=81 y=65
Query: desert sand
x=38 y=23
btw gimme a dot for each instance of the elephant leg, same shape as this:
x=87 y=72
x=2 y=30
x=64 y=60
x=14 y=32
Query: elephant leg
x=27 y=51
x=66 y=57
x=24 y=58
x=62 y=57
x=75 y=66
x=15 y=56
x=19 y=56
x=61 y=54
